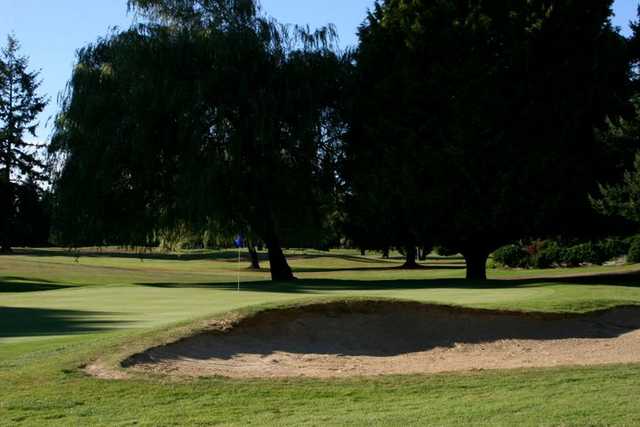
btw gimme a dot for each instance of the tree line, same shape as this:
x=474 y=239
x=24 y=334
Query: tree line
x=465 y=125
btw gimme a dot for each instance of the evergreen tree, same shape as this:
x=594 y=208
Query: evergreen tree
x=20 y=106
x=622 y=199
x=385 y=168
x=474 y=121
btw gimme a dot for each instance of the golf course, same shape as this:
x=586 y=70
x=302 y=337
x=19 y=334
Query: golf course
x=320 y=213
x=61 y=313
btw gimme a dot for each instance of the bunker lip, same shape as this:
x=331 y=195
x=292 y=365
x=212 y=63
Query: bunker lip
x=371 y=338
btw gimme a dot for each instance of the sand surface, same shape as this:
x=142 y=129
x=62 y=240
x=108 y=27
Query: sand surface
x=380 y=338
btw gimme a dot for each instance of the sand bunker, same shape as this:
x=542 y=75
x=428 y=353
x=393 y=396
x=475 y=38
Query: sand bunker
x=379 y=338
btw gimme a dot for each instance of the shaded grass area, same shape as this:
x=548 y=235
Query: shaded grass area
x=27 y=322
x=319 y=285
x=22 y=284
x=56 y=314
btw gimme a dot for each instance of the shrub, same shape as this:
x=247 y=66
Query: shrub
x=549 y=254
x=511 y=256
x=572 y=256
x=634 y=250
x=595 y=254
x=590 y=253
x=614 y=248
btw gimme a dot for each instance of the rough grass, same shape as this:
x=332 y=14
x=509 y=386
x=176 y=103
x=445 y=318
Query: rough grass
x=56 y=314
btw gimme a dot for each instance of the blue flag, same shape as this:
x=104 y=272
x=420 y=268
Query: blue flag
x=239 y=241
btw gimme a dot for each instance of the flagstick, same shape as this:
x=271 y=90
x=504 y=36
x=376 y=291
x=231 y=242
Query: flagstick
x=238 y=268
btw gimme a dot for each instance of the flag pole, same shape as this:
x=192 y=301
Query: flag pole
x=238 y=268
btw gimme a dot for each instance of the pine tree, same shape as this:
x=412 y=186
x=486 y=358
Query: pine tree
x=20 y=105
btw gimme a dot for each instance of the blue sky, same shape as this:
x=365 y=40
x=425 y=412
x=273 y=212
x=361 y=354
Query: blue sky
x=51 y=30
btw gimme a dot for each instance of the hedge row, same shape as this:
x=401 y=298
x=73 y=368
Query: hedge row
x=550 y=253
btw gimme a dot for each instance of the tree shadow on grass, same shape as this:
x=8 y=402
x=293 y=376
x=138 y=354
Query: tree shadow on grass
x=311 y=286
x=15 y=284
x=421 y=267
x=212 y=255
x=31 y=322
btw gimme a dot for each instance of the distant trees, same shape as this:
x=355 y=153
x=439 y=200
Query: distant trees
x=474 y=121
x=622 y=198
x=32 y=218
x=20 y=105
x=466 y=125
x=220 y=115
x=388 y=196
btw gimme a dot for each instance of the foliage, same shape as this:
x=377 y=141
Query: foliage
x=634 y=250
x=385 y=201
x=484 y=121
x=234 y=123
x=622 y=199
x=20 y=106
x=548 y=254
x=591 y=253
x=445 y=252
x=552 y=253
x=511 y=256
x=32 y=219
x=614 y=248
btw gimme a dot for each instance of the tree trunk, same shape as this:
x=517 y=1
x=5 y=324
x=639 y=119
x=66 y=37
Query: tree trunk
x=476 y=264
x=385 y=253
x=253 y=254
x=412 y=255
x=280 y=270
x=363 y=252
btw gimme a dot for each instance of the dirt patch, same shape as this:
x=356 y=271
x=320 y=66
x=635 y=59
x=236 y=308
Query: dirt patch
x=98 y=370
x=379 y=338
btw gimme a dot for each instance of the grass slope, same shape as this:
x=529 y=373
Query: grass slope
x=56 y=314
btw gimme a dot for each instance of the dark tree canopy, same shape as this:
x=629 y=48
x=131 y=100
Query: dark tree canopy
x=387 y=202
x=623 y=198
x=20 y=106
x=474 y=121
x=229 y=119
x=623 y=137
x=463 y=124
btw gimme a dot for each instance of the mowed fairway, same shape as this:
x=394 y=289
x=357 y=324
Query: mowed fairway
x=56 y=314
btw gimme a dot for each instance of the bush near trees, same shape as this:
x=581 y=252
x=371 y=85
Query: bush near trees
x=552 y=253
x=634 y=250
x=511 y=256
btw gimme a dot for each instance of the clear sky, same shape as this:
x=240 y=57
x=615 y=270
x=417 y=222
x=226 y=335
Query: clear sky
x=51 y=30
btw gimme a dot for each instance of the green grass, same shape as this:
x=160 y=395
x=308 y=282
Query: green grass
x=56 y=314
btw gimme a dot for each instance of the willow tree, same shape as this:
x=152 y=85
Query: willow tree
x=211 y=113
